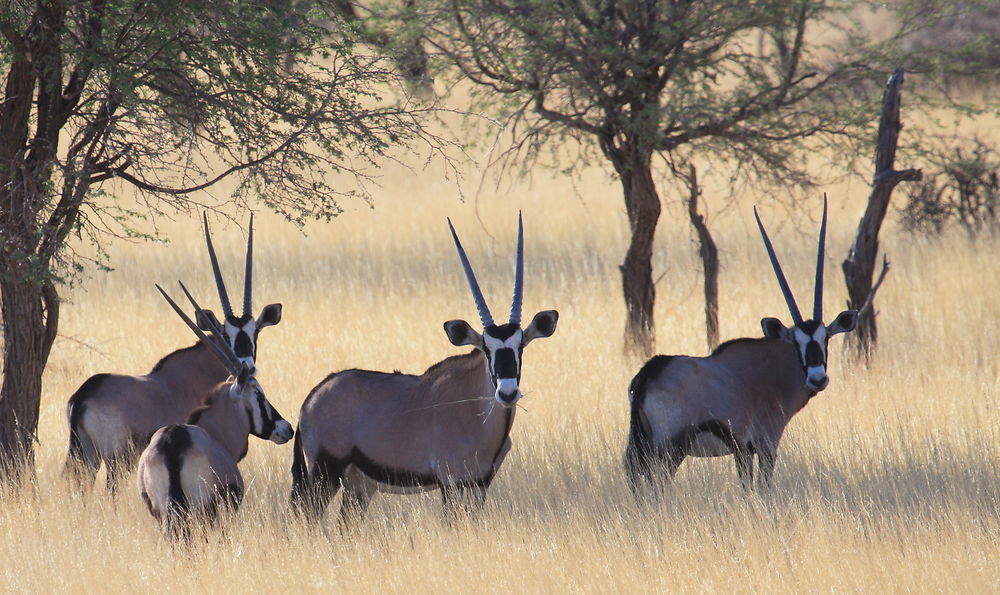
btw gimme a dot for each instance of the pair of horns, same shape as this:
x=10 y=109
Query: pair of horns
x=789 y=298
x=227 y=309
x=477 y=294
x=220 y=347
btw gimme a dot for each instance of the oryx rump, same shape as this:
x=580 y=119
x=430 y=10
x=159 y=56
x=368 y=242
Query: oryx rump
x=112 y=416
x=187 y=472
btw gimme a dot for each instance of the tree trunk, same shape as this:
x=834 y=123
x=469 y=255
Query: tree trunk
x=30 y=318
x=643 y=207
x=709 y=262
x=859 y=266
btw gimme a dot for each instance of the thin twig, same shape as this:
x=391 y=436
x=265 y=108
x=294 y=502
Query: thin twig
x=871 y=294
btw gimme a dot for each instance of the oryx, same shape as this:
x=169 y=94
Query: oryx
x=187 y=472
x=112 y=416
x=739 y=399
x=447 y=428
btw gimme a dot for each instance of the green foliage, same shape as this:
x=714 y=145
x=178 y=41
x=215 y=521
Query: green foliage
x=171 y=98
x=750 y=83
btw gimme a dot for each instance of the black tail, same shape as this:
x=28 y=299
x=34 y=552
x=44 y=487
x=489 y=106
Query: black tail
x=174 y=445
x=300 y=473
x=641 y=451
x=78 y=457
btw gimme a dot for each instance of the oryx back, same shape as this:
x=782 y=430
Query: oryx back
x=440 y=423
x=113 y=416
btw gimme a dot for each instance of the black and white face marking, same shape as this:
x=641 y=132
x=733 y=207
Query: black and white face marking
x=503 y=346
x=241 y=332
x=265 y=421
x=811 y=340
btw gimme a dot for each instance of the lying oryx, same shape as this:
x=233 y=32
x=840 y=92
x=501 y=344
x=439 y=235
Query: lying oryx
x=376 y=431
x=187 y=472
x=739 y=399
x=112 y=416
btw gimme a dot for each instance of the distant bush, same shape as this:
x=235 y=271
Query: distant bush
x=961 y=188
x=969 y=39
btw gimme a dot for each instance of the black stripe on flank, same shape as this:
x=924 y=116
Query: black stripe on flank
x=389 y=475
x=176 y=441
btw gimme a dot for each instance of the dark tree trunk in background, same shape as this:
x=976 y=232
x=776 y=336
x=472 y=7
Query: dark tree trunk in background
x=859 y=266
x=30 y=319
x=642 y=204
x=709 y=262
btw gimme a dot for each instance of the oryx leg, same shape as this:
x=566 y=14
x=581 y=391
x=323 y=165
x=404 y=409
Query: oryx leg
x=766 y=458
x=468 y=497
x=744 y=464
x=320 y=486
x=82 y=462
x=358 y=493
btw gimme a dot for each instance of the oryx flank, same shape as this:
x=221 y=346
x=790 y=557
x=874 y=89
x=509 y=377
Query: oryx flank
x=739 y=399
x=374 y=431
x=112 y=416
x=187 y=472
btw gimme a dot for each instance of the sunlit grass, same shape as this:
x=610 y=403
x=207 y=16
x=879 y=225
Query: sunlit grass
x=890 y=477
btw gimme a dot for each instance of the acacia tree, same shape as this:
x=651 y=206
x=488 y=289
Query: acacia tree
x=741 y=82
x=167 y=97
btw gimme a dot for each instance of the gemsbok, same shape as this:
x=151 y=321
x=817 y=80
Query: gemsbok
x=189 y=472
x=371 y=432
x=738 y=400
x=112 y=416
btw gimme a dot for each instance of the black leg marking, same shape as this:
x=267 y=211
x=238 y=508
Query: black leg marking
x=766 y=458
x=321 y=485
x=744 y=465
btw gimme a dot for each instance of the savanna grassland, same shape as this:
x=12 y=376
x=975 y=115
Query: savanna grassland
x=888 y=479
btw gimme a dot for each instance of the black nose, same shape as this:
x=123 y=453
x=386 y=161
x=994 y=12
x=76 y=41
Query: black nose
x=507 y=397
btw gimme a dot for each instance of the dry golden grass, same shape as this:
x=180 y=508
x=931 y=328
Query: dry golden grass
x=889 y=479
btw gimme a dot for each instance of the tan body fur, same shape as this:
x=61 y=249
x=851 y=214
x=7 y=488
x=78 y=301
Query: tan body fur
x=113 y=416
x=442 y=429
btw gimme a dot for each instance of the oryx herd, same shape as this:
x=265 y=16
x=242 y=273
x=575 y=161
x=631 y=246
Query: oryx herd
x=185 y=425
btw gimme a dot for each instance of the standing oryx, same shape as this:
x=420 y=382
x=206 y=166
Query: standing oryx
x=737 y=400
x=112 y=416
x=391 y=432
x=187 y=472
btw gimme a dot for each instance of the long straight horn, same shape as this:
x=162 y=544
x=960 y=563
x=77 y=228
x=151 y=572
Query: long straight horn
x=782 y=282
x=201 y=335
x=515 y=304
x=227 y=310
x=221 y=340
x=477 y=294
x=247 y=286
x=818 y=298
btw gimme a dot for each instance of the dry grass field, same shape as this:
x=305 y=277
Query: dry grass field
x=890 y=479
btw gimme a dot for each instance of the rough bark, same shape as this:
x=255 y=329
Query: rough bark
x=30 y=317
x=709 y=262
x=643 y=206
x=859 y=266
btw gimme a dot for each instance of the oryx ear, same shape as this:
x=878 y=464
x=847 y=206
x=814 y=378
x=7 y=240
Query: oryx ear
x=270 y=315
x=773 y=329
x=845 y=321
x=206 y=320
x=460 y=333
x=542 y=325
